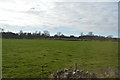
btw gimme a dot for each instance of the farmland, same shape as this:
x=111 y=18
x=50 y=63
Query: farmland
x=22 y=58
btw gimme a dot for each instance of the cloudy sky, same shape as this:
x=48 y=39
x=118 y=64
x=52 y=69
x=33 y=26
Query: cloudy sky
x=67 y=17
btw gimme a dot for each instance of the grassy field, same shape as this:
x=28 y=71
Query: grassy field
x=23 y=58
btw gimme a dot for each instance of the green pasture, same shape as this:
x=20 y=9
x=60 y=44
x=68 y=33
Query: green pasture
x=23 y=58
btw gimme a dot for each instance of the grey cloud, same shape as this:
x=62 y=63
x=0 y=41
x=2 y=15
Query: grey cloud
x=88 y=16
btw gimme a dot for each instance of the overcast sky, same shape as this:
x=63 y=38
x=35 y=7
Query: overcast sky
x=67 y=17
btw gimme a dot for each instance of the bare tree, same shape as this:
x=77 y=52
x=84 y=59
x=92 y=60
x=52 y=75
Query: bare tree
x=109 y=36
x=20 y=32
x=39 y=33
x=58 y=33
x=82 y=34
x=46 y=33
x=90 y=33
x=1 y=30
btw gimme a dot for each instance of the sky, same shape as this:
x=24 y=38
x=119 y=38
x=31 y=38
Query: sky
x=68 y=17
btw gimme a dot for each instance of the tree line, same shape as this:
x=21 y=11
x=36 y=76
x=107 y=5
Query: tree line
x=46 y=35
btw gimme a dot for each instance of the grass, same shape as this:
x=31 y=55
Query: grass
x=23 y=58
